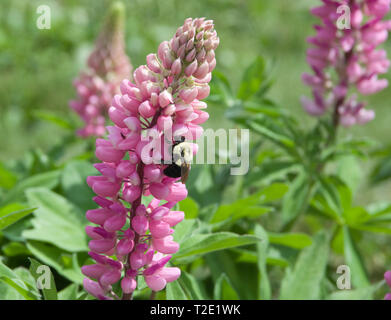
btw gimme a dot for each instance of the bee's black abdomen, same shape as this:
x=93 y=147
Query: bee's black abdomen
x=172 y=171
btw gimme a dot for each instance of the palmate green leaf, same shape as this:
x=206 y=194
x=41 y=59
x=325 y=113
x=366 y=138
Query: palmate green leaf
x=354 y=261
x=48 y=293
x=9 y=217
x=365 y=293
x=264 y=291
x=52 y=257
x=56 y=221
x=292 y=240
x=48 y=180
x=204 y=243
x=304 y=281
x=253 y=78
x=223 y=289
x=73 y=182
x=295 y=200
x=174 y=291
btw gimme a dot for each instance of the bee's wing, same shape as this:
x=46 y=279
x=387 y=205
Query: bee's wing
x=185 y=168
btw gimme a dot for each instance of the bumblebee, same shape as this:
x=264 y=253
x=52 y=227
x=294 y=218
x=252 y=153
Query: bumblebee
x=182 y=155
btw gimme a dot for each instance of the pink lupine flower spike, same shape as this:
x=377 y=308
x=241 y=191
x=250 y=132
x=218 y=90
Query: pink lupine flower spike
x=134 y=238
